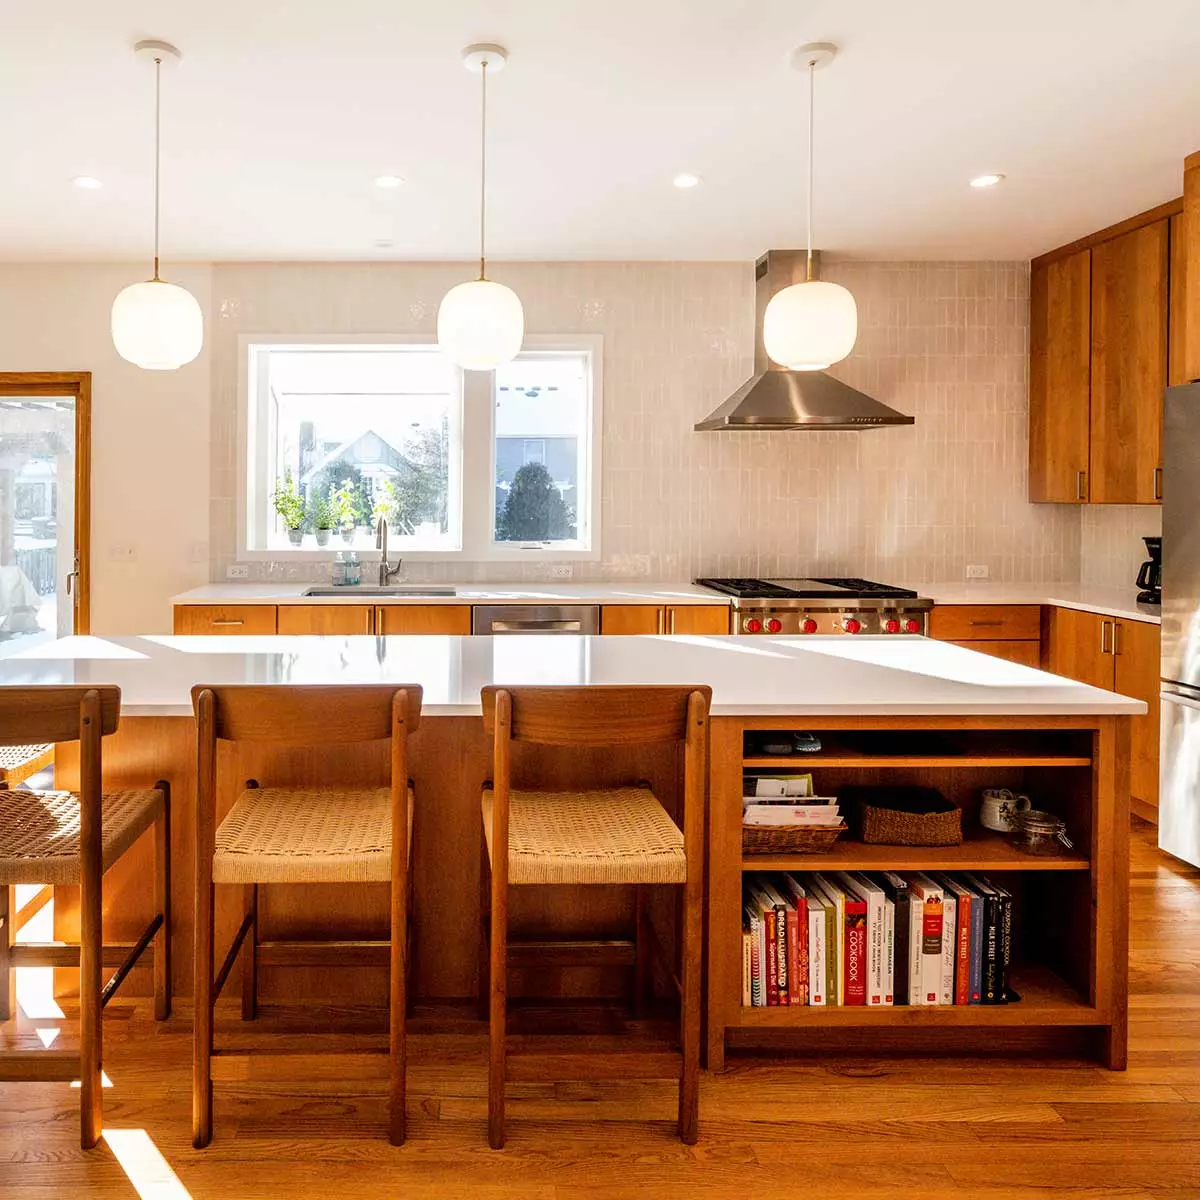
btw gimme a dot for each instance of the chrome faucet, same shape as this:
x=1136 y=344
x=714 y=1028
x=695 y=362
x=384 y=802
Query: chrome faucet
x=386 y=570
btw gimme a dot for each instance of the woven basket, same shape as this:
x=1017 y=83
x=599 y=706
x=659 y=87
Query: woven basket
x=903 y=816
x=789 y=839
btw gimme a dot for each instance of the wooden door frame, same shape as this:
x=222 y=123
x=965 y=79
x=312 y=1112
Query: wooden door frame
x=77 y=384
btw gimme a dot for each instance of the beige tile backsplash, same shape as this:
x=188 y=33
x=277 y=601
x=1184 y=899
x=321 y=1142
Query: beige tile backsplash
x=1111 y=548
x=943 y=341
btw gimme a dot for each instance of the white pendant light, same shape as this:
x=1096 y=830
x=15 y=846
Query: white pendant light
x=157 y=325
x=481 y=324
x=811 y=325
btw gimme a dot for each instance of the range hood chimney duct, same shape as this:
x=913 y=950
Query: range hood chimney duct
x=776 y=398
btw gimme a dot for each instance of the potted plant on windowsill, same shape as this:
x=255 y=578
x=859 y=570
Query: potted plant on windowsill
x=290 y=507
x=345 y=511
x=322 y=518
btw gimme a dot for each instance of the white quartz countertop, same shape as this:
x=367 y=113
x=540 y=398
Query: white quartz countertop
x=761 y=676
x=466 y=593
x=1107 y=601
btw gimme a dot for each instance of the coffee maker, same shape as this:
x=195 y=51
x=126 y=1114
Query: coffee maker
x=1150 y=576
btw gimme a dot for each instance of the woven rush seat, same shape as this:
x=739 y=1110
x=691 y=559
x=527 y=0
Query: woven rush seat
x=39 y=832
x=307 y=835
x=610 y=835
x=17 y=763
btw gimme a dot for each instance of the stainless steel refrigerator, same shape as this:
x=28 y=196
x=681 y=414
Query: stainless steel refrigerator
x=1179 y=765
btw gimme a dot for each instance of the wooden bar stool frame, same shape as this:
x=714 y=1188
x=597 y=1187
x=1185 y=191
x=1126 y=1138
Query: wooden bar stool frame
x=298 y=716
x=589 y=717
x=86 y=715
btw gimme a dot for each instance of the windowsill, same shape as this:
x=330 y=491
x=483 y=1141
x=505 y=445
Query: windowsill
x=498 y=554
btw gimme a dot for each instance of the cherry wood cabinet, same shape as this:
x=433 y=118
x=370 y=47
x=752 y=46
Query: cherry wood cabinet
x=986 y=622
x=325 y=618
x=423 y=618
x=1060 y=363
x=1120 y=656
x=1177 y=305
x=1028 y=654
x=224 y=619
x=1129 y=365
x=673 y=618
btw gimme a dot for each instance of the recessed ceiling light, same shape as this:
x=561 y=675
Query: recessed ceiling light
x=686 y=180
x=388 y=181
x=989 y=180
x=88 y=182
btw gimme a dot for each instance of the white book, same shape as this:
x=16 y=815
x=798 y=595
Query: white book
x=747 y=968
x=931 y=904
x=889 y=924
x=872 y=893
x=838 y=897
x=916 y=931
x=834 y=937
x=816 y=952
x=949 y=946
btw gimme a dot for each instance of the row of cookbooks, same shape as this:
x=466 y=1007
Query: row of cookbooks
x=874 y=938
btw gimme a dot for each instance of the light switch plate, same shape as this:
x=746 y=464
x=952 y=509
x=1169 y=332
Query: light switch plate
x=122 y=552
x=977 y=572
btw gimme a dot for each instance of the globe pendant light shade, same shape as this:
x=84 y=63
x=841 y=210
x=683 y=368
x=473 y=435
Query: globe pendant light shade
x=157 y=325
x=809 y=326
x=481 y=325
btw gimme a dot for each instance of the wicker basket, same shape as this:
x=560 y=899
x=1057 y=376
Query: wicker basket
x=903 y=816
x=790 y=839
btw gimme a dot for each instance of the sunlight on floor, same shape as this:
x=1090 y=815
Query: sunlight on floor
x=143 y=1163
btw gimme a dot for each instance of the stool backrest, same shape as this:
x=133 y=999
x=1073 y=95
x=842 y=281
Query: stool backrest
x=301 y=715
x=595 y=716
x=56 y=714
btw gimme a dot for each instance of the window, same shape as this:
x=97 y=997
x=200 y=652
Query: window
x=478 y=466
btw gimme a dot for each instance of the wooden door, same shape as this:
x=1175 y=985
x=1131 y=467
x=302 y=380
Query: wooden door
x=1138 y=675
x=632 y=619
x=1176 y=304
x=325 y=618
x=1081 y=647
x=698 y=618
x=1059 y=378
x=423 y=618
x=1129 y=365
x=224 y=619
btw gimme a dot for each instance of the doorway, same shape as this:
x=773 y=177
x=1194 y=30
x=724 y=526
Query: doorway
x=45 y=507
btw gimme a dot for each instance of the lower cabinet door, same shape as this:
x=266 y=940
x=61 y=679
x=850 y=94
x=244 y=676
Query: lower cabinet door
x=1081 y=647
x=325 y=618
x=224 y=619
x=1028 y=654
x=1138 y=675
x=632 y=619
x=698 y=618
x=423 y=618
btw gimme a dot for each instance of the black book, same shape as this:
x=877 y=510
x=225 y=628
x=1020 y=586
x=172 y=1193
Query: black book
x=1006 y=939
x=896 y=890
x=993 y=934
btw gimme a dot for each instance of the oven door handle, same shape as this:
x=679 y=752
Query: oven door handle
x=503 y=626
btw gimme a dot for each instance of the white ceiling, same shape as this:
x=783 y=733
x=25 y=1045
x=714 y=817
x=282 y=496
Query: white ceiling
x=283 y=113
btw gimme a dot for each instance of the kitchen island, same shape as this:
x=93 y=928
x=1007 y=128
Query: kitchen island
x=905 y=710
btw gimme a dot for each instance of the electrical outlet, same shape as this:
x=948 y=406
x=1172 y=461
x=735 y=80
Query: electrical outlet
x=122 y=552
x=977 y=572
x=562 y=571
x=237 y=571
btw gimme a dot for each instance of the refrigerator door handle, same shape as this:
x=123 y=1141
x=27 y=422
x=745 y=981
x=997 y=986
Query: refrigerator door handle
x=1179 y=698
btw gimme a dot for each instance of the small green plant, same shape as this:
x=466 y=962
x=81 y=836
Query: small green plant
x=344 y=505
x=288 y=502
x=321 y=511
x=387 y=502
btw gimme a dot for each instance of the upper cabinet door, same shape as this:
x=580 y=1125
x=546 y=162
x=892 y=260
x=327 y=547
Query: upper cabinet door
x=1129 y=365
x=1059 y=378
x=1176 y=369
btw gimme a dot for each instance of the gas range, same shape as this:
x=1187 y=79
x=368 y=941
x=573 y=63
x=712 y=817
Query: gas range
x=822 y=606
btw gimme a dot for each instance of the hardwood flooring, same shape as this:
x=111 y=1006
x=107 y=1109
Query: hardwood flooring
x=866 y=1127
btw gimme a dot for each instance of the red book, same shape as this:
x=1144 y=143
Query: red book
x=795 y=979
x=772 y=957
x=856 y=950
x=798 y=991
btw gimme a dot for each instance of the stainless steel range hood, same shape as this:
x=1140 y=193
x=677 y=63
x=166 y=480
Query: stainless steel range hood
x=776 y=398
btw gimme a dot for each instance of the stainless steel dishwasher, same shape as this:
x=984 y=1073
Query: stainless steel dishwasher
x=535 y=618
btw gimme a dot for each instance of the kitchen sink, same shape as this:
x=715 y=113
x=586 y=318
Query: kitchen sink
x=378 y=592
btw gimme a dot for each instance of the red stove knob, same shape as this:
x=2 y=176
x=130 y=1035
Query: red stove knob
x=752 y=625
x=774 y=625
x=808 y=625
x=891 y=625
x=852 y=625
x=912 y=625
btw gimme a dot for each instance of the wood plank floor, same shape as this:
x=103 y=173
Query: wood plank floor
x=926 y=1129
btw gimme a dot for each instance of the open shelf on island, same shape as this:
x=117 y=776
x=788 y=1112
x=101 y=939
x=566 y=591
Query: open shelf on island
x=978 y=851
x=845 y=757
x=1046 y=999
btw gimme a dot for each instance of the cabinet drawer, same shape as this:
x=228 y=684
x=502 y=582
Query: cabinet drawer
x=986 y=622
x=224 y=619
x=1028 y=654
x=632 y=619
x=698 y=618
x=325 y=619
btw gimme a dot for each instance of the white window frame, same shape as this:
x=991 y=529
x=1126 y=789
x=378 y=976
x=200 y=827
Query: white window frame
x=475 y=414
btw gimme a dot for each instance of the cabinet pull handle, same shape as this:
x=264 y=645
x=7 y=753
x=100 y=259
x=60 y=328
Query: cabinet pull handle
x=1105 y=629
x=238 y=622
x=1116 y=638
x=985 y=624
x=369 y=618
x=662 y=619
x=1158 y=476
x=377 y=621
x=1081 y=485
x=670 y=620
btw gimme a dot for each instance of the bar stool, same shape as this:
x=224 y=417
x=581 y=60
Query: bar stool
x=73 y=838
x=597 y=837
x=18 y=763
x=320 y=834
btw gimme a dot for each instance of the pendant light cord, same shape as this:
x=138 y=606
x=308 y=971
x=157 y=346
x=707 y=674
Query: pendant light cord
x=157 y=142
x=811 y=94
x=482 y=165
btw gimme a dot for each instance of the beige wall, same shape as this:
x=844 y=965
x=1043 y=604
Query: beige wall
x=1112 y=549
x=150 y=469
x=946 y=342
